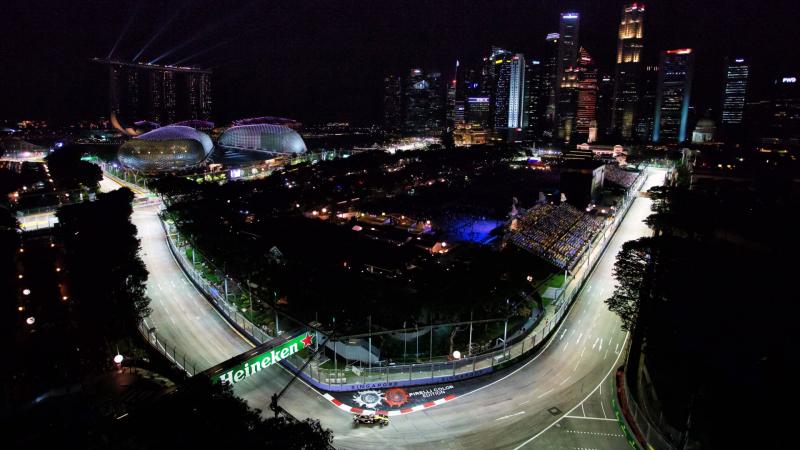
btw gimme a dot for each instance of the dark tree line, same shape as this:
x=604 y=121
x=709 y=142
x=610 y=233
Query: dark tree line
x=192 y=415
x=105 y=273
x=70 y=172
x=706 y=299
x=201 y=415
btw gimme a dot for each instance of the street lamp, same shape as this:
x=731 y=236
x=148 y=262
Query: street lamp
x=456 y=354
x=118 y=359
x=26 y=291
x=30 y=320
x=505 y=331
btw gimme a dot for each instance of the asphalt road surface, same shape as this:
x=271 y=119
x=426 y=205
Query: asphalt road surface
x=526 y=407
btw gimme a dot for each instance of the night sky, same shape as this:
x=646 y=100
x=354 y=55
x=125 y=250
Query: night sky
x=324 y=60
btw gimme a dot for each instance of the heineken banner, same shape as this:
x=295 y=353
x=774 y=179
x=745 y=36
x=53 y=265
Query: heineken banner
x=263 y=360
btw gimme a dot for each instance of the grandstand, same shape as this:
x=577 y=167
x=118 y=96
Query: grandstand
x=618 y=176
x=559 y=234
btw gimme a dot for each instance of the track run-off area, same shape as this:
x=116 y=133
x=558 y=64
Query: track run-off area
x=559 y=398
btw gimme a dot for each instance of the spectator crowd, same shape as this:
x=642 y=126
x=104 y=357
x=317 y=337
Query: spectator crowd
x=560 y=234
x=616 y=175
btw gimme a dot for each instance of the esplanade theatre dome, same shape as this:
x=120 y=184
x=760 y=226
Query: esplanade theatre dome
x=268 y=135
x=173 y=147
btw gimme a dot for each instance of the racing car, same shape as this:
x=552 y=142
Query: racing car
x=381 y=419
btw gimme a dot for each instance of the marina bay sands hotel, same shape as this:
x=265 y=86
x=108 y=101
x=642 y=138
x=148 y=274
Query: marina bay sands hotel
x=140 y=92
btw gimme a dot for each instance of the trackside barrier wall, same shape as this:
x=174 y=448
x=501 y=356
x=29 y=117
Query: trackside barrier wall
x=636 y=424
x=169 y=351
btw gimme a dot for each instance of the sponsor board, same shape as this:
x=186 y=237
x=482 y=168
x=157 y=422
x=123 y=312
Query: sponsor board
x=263 y=360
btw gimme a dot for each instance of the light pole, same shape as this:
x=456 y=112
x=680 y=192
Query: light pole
x=416 y=327
x=469 y=347
x=505 y=331
x=405 y=342
x=369 y=318
x=430 y=351
x=249 y=296
x=275 y=306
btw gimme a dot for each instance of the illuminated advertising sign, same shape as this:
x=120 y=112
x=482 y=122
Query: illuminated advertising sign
x=478 y=100
x=790 y=80
x=263 y=360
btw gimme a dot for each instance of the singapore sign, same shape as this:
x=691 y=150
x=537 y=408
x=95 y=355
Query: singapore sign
x=263 y=360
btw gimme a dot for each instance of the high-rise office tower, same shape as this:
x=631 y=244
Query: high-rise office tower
x=568 y=31
x=626 y=76
x=550 y=82
x=577 y=99
x=516 y=91
x=501 y=76
x=532 y=101
x=478 y=111
x=605 y=103
x=452 y=92
x=476 y=101
x=451 y=103
x=645 y=118
x=567 y=106
x=509 y=86
x=586 y=115
x=567 y=75
x=673 y=94
x=424 y=103
x=783 y=122
x=392 y=104
x=734 y=97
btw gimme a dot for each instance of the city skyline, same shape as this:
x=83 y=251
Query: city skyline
x=472 y=224
x=518 y=26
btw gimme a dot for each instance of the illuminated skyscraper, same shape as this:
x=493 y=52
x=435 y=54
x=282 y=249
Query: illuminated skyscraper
x=550 y=82
x=734 y=97
x=452 y=109
x=567 y=75
x=567 y=106
x=568 y=30
x=533 y=100
x=165 y=95
x=586 y=115
x=648 y=86
x=673 y=94
x=626 y=76
x=424 y=101
x=509 y=87
x=516 y=91
x=783 y=122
